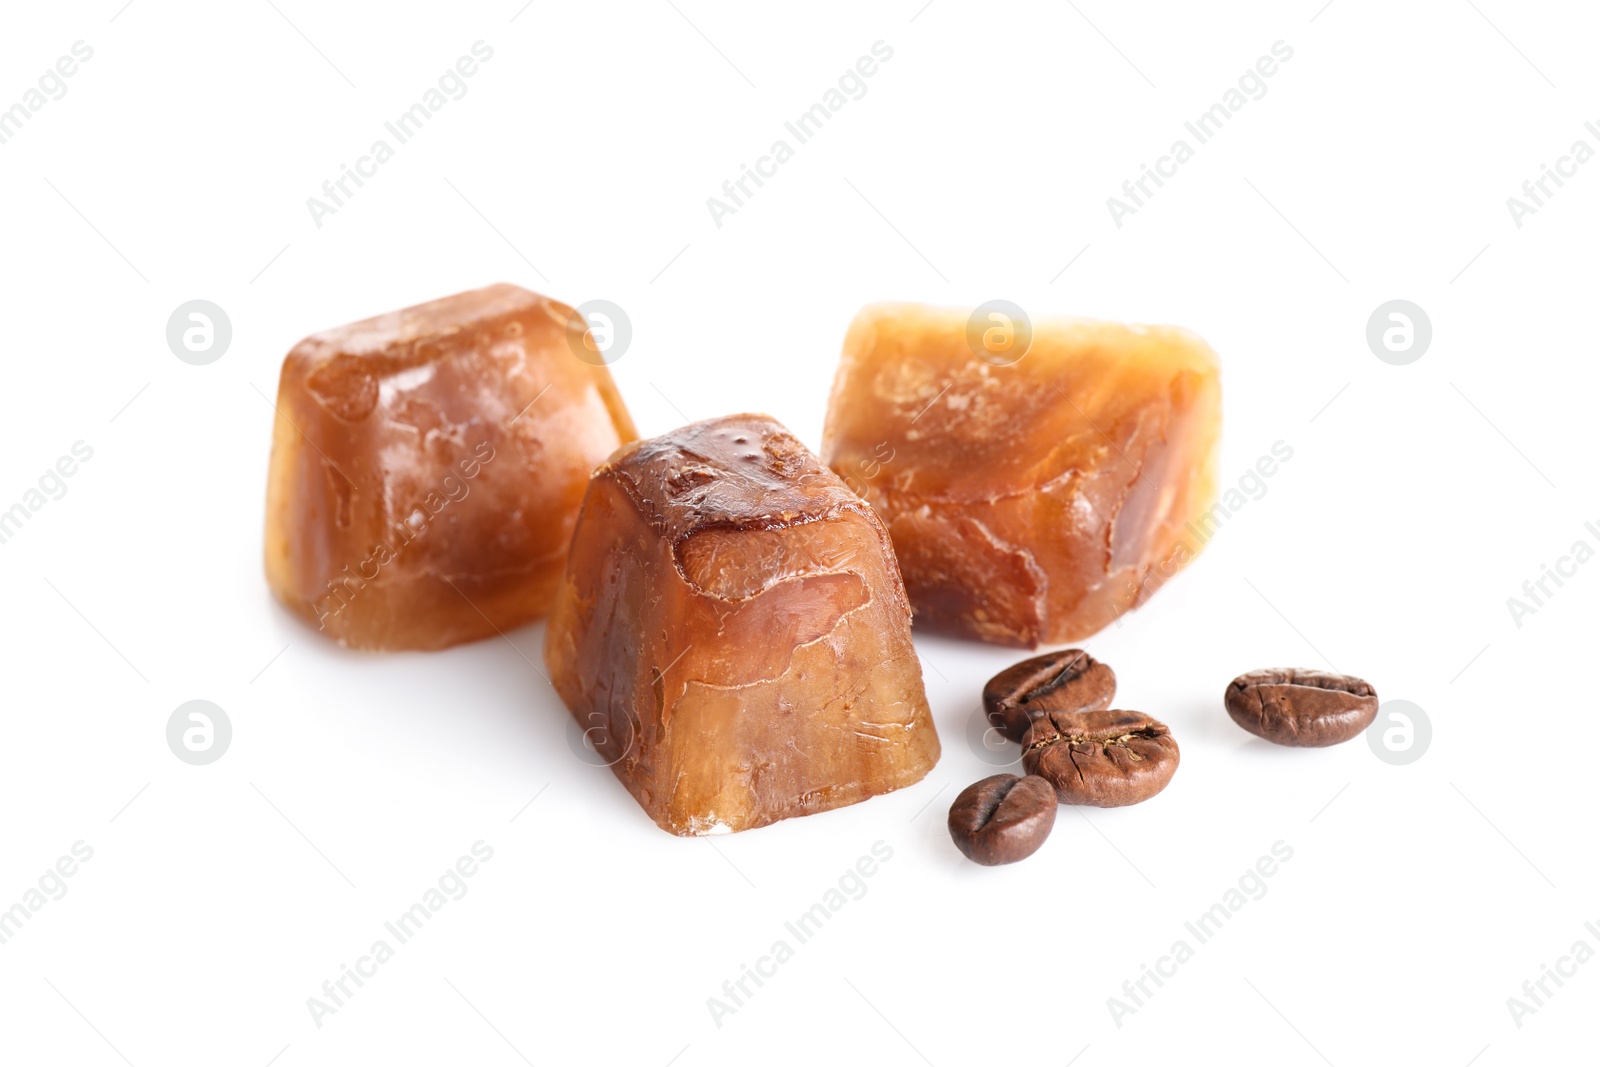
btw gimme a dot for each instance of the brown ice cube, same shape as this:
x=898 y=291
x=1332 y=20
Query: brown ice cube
x=732 y=635
x=1033 y=493
x=428 y=464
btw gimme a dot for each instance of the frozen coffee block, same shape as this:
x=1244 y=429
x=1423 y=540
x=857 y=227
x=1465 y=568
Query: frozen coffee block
x=1038 y=482
x=428 y=464
x=732 y=635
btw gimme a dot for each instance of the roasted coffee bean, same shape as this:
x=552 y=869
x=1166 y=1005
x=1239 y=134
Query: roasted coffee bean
x=1308 y=709
x=1002 y=819
x=1103 y=758
x=1069 y=680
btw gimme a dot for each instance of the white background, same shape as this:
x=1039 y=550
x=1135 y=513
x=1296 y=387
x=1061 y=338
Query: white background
x=977 y=166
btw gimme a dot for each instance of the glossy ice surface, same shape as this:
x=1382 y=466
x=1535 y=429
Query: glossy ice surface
x=1031 y=501
x=732 y=634
x=428 y=464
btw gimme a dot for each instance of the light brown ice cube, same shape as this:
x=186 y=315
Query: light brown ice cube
x=427 y=467
x=1033 y=494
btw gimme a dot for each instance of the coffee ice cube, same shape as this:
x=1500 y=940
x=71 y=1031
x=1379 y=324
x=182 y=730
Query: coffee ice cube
x=1035 y=490
x=427 y=467
x=731 y=633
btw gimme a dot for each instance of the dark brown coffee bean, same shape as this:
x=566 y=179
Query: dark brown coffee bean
x=1308 y=709
x=1103 y=758
x=1069 y=680
x=1002 y=819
